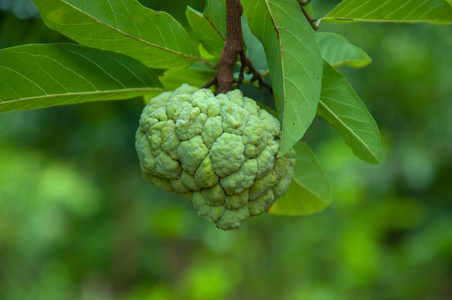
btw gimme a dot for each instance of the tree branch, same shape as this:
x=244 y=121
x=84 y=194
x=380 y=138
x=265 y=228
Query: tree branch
x=246 y=62
x=232 y=46
x=210 y=83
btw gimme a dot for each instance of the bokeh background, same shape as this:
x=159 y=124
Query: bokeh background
x=77 y=221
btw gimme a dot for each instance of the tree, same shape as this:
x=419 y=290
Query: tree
x=126 y=50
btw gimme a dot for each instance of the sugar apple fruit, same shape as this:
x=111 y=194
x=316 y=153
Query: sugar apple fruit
x=219 y=152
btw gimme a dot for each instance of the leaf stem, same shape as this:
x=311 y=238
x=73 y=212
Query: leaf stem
x=207 y=63
x=210 y=83
x=311 y=21
x=246 y=61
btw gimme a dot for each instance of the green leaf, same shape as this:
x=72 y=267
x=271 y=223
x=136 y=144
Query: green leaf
x=310 y=191
x=210 y=26
x=174 y=78
x=37 y=76
x=342 y=108
x=294 y=61
x=215 y=12
x=435 y=11
x=337 y=51
x=124 y=26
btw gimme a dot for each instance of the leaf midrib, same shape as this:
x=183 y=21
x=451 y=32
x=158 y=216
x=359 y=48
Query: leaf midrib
x=348 y=128
x=214 y=26
x=383 y=21
x=310 y=190
x=97 y=92
x=135 y=38
x=346 y=16
x=281 y=60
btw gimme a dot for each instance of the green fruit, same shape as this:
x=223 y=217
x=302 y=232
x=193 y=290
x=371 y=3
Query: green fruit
x=219 y=152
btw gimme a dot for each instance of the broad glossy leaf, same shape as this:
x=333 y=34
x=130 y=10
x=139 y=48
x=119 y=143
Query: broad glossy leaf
x=216 y=13
x=124 y=26
x=435 y=11
x=342 y=108
x=310 y=191
x=37 y=76
x=294 y=62
x=174 y=78
x=337 y=51
x=210 y=26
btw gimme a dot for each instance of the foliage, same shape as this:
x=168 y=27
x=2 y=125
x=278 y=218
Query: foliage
x=77 y=222
x=73 y=74
x=294 y=62
x=69 y=74
x=435 y=11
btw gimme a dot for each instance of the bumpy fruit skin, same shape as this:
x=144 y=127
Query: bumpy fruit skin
x=219 y=152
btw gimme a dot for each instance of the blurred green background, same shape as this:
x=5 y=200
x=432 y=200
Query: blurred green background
x=77 y=221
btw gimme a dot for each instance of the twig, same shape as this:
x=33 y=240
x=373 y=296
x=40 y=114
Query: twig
x=311 y=21
x=241 y=75
x=232 y=46
x=246 y=61
x=210 y=83
x=207 y=63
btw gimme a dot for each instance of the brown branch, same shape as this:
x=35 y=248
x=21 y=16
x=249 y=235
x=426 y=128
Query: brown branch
x=232 y=46
x=246 y=62
x=241 y=74
x=210 y=83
